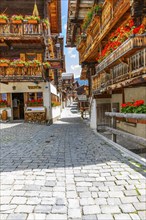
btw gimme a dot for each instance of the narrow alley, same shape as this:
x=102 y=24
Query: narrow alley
x=65 y=172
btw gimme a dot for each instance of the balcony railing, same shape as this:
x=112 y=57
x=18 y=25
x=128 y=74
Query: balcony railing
x=130 y=44
x=121 y=72
x=18 y=73
x=109 y=18
x=23 y=29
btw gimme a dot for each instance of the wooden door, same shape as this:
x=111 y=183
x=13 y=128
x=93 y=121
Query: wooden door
x=102 y=120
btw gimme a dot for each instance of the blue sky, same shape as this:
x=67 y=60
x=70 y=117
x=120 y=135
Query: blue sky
x=71 y=54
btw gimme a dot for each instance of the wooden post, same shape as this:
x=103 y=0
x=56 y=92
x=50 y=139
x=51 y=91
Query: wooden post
x=114 y=126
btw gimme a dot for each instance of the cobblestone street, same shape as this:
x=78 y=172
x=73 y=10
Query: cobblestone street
x=66 y=172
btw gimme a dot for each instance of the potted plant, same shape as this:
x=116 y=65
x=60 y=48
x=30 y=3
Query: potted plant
x=32 y=19
x=34 y=63
x=4 y=62
x=3 y=18
x=45 y=23
x=3 y=103
x=17 y=19
x=38 y=102
x=46 y=65
x=97 y=9
x=137 y=107
x=18 y=63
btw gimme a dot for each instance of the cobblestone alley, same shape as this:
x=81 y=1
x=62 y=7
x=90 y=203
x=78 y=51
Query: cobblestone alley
x=65 y=171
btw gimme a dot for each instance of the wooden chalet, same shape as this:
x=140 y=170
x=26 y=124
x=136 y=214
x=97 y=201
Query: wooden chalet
x=111 y=41
x=67 y=88
x=31 y=57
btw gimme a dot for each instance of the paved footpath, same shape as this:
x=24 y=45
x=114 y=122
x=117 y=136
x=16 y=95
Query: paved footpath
x=66 y=172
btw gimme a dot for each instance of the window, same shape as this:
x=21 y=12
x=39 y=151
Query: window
x=3 y=96
x=39 y=95
x=35 y=96
x=31 y=96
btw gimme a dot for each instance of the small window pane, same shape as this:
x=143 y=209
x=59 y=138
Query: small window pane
x=4 y=96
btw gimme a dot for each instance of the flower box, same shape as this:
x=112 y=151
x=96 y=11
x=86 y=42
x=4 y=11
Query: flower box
x=32 y=21
x=3 y=64
x=3 y=106
x=20 y=64
x=16 y=21
x=3 y=21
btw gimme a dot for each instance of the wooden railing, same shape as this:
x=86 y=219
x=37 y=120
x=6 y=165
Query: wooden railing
x=108 y=19
x=130 y=44
x=23 y=29
x=11 y=73
x=121 y=72
x=115 y=131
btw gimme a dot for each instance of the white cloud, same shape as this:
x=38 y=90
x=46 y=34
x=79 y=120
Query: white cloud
x=70 y=50
x=65 y=26
x=73 y=56
x=76 y=70
x=74 y=67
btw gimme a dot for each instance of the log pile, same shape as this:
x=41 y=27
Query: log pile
x=39 y=117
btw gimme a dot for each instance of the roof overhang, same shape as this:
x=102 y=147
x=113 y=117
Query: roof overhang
x=54 y=12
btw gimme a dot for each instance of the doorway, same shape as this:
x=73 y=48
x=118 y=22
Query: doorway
x=18 y=106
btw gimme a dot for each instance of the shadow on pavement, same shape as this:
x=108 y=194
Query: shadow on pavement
x=67 y=143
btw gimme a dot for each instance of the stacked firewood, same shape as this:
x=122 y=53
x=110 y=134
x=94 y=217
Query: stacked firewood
x=35 y=117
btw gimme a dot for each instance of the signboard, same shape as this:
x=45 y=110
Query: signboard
x=82 y=97
x=34 y=87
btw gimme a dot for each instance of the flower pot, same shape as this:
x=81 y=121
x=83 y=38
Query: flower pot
x=20 y=64
x=32 y=21
x=4 y=115
x=3 y=21
x=3 y=64
x=132 y=120
x=16 y=21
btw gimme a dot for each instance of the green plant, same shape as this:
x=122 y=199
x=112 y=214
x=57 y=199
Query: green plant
x=17 y=62
x=55 y=103
x=17 y=17
x=134 y=107
x=34 y=63
x=4 y=61
x=31 y=17
x=4 y=16
x=46 y=22
x=46 y=64
x=97 y=8
x=3 y=103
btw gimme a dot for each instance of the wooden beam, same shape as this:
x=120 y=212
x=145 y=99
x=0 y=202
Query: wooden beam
x=75 y=25
x=128 y=136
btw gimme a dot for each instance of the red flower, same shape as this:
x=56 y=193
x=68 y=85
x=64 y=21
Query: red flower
x=124 y=105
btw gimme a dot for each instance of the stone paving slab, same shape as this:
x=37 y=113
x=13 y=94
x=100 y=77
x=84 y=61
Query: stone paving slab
x=66 y=172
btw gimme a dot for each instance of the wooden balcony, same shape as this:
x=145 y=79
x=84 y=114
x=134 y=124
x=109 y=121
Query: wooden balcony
x=21 y=73
x=122 y=74
x=22 y=31
x=127 y=48
x=108 y=20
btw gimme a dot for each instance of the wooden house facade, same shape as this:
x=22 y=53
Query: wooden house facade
x=111 y=41
x=31 y=57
